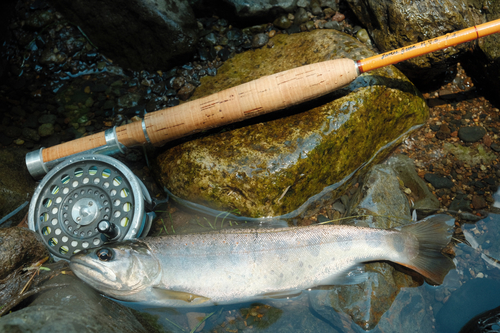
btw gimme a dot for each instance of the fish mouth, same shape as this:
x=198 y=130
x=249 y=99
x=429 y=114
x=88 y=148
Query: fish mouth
x=93 y=273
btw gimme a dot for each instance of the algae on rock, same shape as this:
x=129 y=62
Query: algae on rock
x=272 y=168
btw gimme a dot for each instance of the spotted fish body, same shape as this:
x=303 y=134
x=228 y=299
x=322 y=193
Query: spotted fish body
x=244 y=265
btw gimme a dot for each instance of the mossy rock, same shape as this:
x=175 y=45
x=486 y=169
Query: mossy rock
x=272 y=168
x=395 y=24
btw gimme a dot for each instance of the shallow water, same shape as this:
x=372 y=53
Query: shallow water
x=470 y=289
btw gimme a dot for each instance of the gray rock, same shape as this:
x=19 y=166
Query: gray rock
x=129 y=100
x=394 y=24
x=423 y=199
x=259 y=40
x=438 y=181
x=71 y=309
x=12 y=131
x=380 y=197
x=16 y=184
x=300 y=16
x=248 y=10
x=471 y=134
x=282 y=22
x=47 y=119
x=460 y=202
x=46 y=130
x=272 y=168
x=18 y=247
x=139 y=34
x=31 y=134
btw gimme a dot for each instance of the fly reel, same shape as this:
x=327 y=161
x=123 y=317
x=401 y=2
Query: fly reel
x=88 y=200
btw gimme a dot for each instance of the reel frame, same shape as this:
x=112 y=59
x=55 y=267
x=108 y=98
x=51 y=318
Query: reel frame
x=72 y=200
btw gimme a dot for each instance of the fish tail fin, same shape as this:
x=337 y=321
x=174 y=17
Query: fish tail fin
x=433 y=234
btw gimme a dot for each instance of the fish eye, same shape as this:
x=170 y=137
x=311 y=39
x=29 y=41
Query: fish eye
x=104 y=254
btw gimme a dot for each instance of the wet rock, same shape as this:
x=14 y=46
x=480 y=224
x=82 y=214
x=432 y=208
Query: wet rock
x=248 y=10
x=47 y=119
x=139 y=34
x=249 y=168
x=46 y=130
x=259 y=40
x=30 y=134
x=16 y=184
x=363 y=36
x=484 y=62
x=129 y=100
x=39 y=19
x=422 y=197
x=186 y=91
x=282 y=22
x=438 y=181
x=301 y=16
x=471 y=134
x=12 y=131
x=396 y=24
x=443 y=133
x=380 y=197
x=316 y=7
x=478 y=202
x=460 y=203
x=73 y=308
x=19 y=247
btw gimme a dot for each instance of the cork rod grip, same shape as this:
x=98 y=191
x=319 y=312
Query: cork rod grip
x=257 y=97
x=260 y=96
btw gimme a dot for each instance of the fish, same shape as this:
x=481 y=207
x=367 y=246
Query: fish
x=241 y=265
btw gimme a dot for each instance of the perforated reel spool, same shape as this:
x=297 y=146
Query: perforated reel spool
x=72 y=201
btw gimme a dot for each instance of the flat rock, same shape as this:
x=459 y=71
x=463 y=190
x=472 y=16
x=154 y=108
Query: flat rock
x=471 y=134
x=271 y=168
x=73 y=308
x=438 y=181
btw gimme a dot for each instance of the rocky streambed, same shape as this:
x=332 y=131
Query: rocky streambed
x=313 y=163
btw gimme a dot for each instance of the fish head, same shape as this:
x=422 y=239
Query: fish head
x=119 y=269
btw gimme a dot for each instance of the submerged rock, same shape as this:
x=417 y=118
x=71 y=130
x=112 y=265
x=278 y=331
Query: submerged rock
x=73 y=308
x=140 y=34
x=16 y=184
x=272 y=168
x=394 y=24
x=422 y=197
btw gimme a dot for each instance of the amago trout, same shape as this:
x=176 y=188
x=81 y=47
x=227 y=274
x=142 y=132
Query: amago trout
x=240 y=265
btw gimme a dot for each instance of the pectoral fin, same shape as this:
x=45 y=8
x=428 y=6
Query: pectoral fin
x=180 y=296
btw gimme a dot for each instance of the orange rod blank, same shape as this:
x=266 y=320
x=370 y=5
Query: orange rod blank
x=428 y=46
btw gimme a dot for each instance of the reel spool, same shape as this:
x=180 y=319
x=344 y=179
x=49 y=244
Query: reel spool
x=88 y=200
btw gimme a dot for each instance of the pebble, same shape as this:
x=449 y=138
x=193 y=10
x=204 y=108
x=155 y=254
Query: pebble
x=301 y=16
x=438 y=181
x=259 y=40
x=282 y=22
x=185 y=92
x=46 y=130
x=471 y=134
x=47 y=119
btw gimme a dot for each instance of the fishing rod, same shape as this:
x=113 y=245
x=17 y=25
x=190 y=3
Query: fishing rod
x=257 y=97
x=87 y=198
